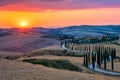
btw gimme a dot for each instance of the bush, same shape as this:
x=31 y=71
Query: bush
x=58 y=64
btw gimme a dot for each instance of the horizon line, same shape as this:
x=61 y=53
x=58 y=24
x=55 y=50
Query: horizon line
x=54 y=27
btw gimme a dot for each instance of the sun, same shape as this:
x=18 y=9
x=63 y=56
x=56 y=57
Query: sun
x=23 y=24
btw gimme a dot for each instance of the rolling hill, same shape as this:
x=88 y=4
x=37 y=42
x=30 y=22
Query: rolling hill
x=88 y=30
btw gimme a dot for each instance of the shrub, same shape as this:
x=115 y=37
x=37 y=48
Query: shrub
x=58 y=64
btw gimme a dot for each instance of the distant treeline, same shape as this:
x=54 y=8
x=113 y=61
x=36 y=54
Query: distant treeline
x=90 y=40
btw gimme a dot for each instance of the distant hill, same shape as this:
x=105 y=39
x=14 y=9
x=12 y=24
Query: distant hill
x=88 y=30
x=83 y=30
x=5 y=32
x=10 y=31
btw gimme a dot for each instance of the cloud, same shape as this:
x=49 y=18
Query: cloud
x=9 y=2
x=59 y=4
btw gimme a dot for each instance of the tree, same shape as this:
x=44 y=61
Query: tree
x=86 y=59
x=93 y=60
x=112 y=60
x=105 y=59
x=113 y=56
x=98 y=56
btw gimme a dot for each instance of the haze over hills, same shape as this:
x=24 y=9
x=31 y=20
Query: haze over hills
x=13 y=40
x=87 y=30
x=83 y=30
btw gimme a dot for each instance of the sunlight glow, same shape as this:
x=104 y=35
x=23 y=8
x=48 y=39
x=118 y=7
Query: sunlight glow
x=59 y=18
x=23 y=24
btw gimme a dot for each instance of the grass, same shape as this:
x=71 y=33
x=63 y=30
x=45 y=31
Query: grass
x=58 y=64
x=56 y=52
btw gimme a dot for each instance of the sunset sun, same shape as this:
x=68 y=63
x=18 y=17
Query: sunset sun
x=23 y=24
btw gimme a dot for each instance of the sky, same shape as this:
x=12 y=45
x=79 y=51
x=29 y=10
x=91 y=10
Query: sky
x=58 y=13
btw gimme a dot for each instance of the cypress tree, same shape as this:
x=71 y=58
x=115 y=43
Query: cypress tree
x=65 y=43
x=102 y=54
x=86 y=60
x=89 y=57
x=105 y=59
x=112 y=59
x=107 y=54
x=93 y=60
x=99 y=60
x=61 y=44
x=98 y=56
x=114 y=53
x=72 y=46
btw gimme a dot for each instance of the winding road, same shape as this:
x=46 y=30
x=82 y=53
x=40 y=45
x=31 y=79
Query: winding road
x=96 y=69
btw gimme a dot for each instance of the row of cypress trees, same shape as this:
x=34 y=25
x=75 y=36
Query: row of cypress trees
x=101 y=55
x=95 y=54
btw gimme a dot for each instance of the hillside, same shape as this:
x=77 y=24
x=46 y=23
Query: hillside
x=17 y=70
x=88 y=30
x=25 y=42
x=40 y=44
